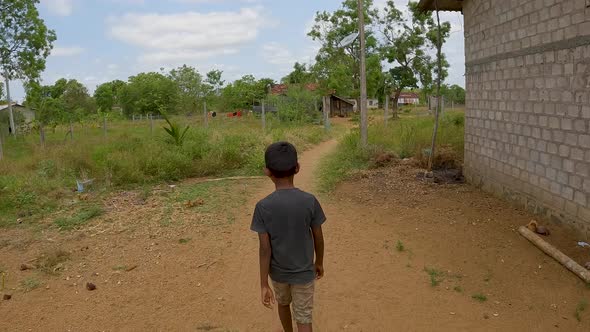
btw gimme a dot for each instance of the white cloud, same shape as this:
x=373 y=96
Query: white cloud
x=173 y=38
x=276 y=54
x=59 y=7
x=67 y=51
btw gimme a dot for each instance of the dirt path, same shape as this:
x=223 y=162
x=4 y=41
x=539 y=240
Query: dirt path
x=193 y=274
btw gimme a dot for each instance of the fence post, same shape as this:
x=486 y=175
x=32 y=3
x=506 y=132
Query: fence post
x=42 y=135
x=205 y=115
x=152 y=124
x=263 y=117
x=104 y=126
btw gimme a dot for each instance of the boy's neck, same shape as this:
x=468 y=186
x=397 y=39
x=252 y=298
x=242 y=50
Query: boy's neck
x=284 y=183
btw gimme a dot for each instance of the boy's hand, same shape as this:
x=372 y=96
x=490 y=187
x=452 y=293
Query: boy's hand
x=319 y=271
x=268 y=298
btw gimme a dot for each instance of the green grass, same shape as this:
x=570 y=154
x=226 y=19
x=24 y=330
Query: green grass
x=80 y=218
x=36 y=181
x=184 y=240
x=436 y=276
x=479 y=297
x=30 y=284
x=400 y=246
x=408 y=136
x=580 y=308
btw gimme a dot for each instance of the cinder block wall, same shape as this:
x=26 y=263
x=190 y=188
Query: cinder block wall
x=527 y=134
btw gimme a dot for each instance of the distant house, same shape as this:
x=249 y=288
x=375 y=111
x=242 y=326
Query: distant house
x=281 y=89
x=19 y=111
x=408 y=98
x=372 y=103
x=340 y=107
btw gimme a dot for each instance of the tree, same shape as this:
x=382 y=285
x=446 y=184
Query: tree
x=191 y=88
x=453 y=93
x=48 y=110
x=76 y=99
x=245 y=92
x=149 y=93
x=214 y=80
x=407 y=44
x=299 y=75
x=108 y=95
x=25 y=43
x=337 y=68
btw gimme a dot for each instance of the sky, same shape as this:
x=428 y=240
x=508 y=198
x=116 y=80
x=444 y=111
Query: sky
x=102 y=40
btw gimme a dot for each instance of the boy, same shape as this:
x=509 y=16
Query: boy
x=289 y=226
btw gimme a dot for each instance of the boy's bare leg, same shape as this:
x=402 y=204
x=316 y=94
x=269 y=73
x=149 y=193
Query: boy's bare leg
x=286 y=319
x=304 y=328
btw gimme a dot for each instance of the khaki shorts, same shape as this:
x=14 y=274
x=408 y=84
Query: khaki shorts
x=300 y=295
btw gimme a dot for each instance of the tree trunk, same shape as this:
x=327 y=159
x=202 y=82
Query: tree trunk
x=395 y=105
x=10 y=113
x=386 y=109
x=555 y=254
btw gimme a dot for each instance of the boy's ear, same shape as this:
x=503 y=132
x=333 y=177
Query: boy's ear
x=267 y=172
x=297 y=168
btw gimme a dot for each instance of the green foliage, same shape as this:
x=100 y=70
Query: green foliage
x=453 y=93
x=26 y=41
x=175 y=131
x=80 y=218
x=337 y=68
x=30 y=284
x=400 y=246
x=108 y=95
x=436 y=276
x=245 y=92
x=479 y=297
x=298 y=105
x=407 y=44
x=299 y=75
x=149 y=93
x=406 y=137
x=34 y=182
x=191 y=88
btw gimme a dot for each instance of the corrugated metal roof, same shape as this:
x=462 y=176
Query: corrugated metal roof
x=5 y=106
x=443 y=5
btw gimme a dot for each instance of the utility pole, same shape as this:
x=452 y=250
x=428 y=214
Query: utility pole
x=326 y=110
x=386 y=110
x=13 y=128
x=363 y=99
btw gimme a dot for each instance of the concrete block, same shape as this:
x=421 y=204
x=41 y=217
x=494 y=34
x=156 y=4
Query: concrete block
x=581 y=198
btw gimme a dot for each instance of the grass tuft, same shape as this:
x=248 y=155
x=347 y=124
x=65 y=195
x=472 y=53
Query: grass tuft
x=580 y=308
x=400 y=246
x=80 y=218
x=479 y=297
x=436 y=276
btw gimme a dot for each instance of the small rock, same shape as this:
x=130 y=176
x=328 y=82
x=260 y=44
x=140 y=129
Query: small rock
x=90 y=286
x=451 y=313
x=554 y=306
x=486 y=316
x=24 y=267
x=496 y=315
x=220 y=298
x=587 y=265
x=6 y=297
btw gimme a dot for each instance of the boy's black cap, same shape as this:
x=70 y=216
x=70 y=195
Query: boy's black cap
x=281 y=157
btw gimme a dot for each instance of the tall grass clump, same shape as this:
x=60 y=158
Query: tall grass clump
x=33 y=179
x=408 y=136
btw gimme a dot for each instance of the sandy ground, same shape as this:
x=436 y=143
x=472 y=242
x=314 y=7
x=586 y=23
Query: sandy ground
x=198 y=270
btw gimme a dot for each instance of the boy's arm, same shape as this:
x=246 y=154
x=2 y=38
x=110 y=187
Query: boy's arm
x=318 y=242
x=268 y=298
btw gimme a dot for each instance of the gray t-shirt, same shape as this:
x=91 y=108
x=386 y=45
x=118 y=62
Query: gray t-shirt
x=287 y=215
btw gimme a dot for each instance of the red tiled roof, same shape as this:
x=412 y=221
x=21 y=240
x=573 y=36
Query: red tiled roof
x=409 y=95
x=281 y=89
